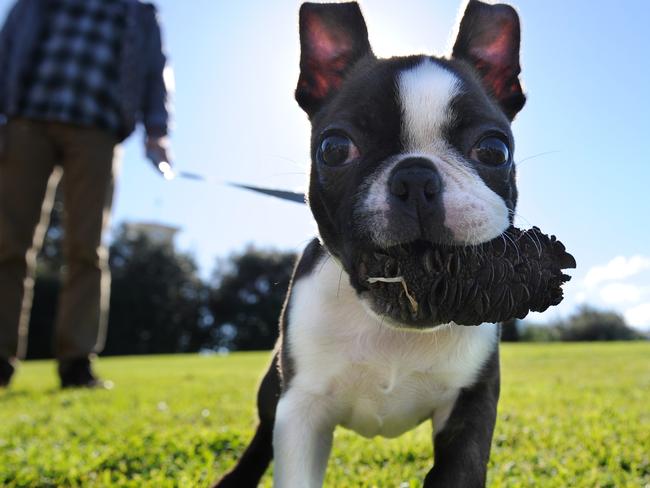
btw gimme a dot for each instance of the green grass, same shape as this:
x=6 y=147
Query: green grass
x=571 y=415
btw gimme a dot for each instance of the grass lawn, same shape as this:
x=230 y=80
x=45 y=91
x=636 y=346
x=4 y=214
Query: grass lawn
x=571 y=415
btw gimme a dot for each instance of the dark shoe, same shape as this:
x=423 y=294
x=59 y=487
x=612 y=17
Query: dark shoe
x=77 y=373
x=6 y=372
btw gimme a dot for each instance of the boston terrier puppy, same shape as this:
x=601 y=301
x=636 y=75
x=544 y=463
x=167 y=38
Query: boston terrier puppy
x=407 y=152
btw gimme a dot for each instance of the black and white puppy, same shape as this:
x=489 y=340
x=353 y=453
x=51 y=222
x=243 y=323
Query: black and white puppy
x=405 y=151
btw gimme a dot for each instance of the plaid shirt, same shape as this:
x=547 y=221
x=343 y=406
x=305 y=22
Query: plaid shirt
x=74 y=73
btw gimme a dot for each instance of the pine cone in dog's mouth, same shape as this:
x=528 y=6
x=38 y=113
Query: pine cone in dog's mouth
x=424 y=284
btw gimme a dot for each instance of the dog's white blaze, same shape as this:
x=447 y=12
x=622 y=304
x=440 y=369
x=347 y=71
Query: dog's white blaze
x=352 y=370
x=426 y=92
x=473 y=212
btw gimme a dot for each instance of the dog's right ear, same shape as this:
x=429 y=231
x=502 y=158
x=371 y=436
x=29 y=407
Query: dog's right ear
x=332 y=38
x=488 y=39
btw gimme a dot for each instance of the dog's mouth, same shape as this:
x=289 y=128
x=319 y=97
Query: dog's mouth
x=422 y=285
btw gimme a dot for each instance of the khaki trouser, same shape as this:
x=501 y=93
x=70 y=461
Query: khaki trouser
x=35 y=156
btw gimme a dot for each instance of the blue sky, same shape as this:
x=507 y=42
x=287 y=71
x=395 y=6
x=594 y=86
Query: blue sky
x=585 y=68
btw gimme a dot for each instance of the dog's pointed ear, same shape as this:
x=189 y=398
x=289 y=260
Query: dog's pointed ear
x=332 y=38
x=488 y=38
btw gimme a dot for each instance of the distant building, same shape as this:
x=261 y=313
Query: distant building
x=156 y=233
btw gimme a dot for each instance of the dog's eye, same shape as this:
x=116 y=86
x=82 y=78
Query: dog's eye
x=491 y=150
x=336 y=150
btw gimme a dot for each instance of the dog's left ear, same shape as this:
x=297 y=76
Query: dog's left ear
x=333 y=36
x=488 y=39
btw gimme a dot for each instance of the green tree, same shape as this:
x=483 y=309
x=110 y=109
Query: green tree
x=157 y=299
x=586 y=324
x=248 y=291
x=589 y=324
x=539 y=333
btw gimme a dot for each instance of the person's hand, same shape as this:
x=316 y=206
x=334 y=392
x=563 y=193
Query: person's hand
x=157 y=149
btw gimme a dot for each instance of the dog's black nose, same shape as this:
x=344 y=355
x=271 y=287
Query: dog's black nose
x=416 y=184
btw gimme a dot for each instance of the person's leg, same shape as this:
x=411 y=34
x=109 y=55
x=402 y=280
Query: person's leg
x=89 y=162
x=27 y=186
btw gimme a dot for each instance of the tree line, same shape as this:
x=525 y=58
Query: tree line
x=159 y=303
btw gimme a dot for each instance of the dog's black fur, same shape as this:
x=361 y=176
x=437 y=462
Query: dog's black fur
x=356 y=93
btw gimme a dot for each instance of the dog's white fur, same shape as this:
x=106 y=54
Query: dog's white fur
x=473 y=212
x=425 y=94
x=354 y=371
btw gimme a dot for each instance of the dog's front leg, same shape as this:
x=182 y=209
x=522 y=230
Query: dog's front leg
x=464 y=434
x=302 y=439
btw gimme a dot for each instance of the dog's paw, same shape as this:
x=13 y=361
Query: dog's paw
x=437 y=478
x=232 y=480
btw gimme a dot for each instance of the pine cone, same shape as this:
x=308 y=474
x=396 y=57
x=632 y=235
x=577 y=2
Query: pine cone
x=425 y=284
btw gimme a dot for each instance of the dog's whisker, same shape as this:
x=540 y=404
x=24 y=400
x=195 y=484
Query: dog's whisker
x=290 y=160
x=505 y=245
x=521 y=217
x=301 y=173
x=327 y=258
x=513 y=243
x=534 y=156
x=536 y=243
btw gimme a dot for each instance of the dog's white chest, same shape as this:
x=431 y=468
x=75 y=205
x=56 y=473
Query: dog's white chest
x=374 y=379
x=387 y=401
